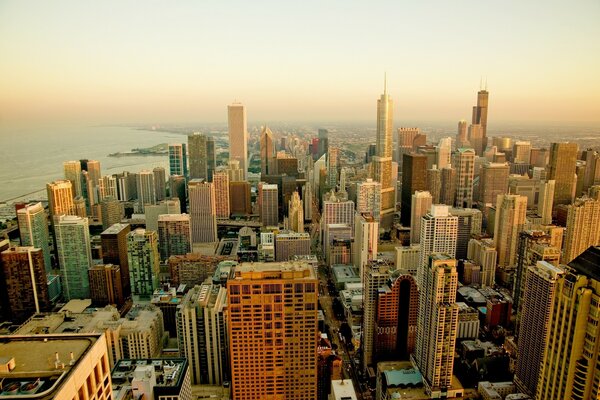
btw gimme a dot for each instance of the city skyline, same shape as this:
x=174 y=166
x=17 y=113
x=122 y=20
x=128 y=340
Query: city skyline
x=181 y=64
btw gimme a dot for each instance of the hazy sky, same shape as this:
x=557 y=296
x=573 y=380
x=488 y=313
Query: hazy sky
x=184 y=61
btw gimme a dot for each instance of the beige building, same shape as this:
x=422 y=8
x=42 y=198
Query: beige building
x=296 y=213
x=583 y=228
x=366 y=238
x=60 y=198
x=563 y=160
x=493 y=181
x=421 y=203
x=464 y=162
x=368 y=198
x=509 y=221
x=203 y=211
x=382 y=161
x=221 y=182
x=291 y=244
x=238 y=136
x=273 y=355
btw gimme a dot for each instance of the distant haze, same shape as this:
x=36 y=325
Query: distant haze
x=171 y=62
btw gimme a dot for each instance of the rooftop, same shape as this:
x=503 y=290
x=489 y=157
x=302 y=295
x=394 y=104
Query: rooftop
x=588 y=263
x=114 y=229
x=169 y=371
x=273 y=270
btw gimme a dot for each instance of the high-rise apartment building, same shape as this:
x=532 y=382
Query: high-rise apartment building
x=33 y=230
x=221 y=182
x=291 y=244
x=569 y=367
x=368 y=197
x=144 y=262
x=24 y=282
x=382 y=162
x=107 y=187
x=146 y=190
x=177 y=189
x=464 y=162
x=439 y=230
x=546 y=201
x=198 y=156
x=414 y=177
x=112 y=212
x=268 y=198
x=583 y=230
x=469 y=225
x=462 y=139
x=366 y=237
x=480 y=114
x=563 y=160
x=272 y=355
x=160 y=183
x=509 y=221
x=296 y=214
x=420 y=205
x=448 y=191
x=106 y=285
x=238 y=136
x=74 y=255
x=72 y=171
x=437 y=325
x=483 y=253
x=114 y=251
x=493 y=181
x=521 y=153
x=443 y=152
x=174 y=235
x=178 y=159
x=202 y=333
x=476 y=138
x=203 y=211
x=409 y=139
x=267 y=152
x=60 y=198
x=538 y=295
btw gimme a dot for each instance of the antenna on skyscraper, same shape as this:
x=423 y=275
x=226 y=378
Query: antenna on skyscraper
x=385 y=82
x=481 y=82
x=485 y=83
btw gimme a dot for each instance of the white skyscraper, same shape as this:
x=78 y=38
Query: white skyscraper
x=421 y=203
x=439 y=232
x=238 y=135
x=368 y=198
x=203 y=211
x=145 y=189
x=443 y=152
x=366 y=236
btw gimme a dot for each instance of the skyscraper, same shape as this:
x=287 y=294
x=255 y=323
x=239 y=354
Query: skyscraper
x=238 y=136
x=480 y=114
x=443 y=152
x=198 y=156
x=563 y=160
x=221 y=182
x=437 y=325
x=269 y=204
x=296 y=214
x=368 y=198
x=540 y=285
x=174 y=235
x=203 y=211
x=177 y=189
x=420 y=205
x=461 y=135
x=323 y=142
x=144 y=262
x=493 y=181
x=145 y=189
x=114 y=251
x=366 y=237
x=106 y=285
x=469 y=225
x=546 y=201
x=414 y=177
x=583 y=230
x=239 y=198
x=439 y=230
x=74 y=255
x=33 y=229
x=160 y=183
x=60 y=198
x=267 y=152
x=569 y=367
x=521 y=153
x=464 y=162
x=510 y=217
x=107 y=187
x=73 y=174
x=178 y=159
x=382 y=162
x=273 y=356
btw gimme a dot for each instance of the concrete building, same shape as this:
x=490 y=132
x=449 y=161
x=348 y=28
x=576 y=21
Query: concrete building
x=60 y=198
x=221 y=182
x=146 y=191
x=72 y=170
x=366 y=238
x=407 y=258
x=291 y=244
x=583 y=217
x=174 y=235
x=111 y=211
x=420 y=205
x=72 y=236
x=267 y=152
x=239 y=198
x=414 y=177
x=203 y=211
x=563 y=160
x=483 y=253
x=201 y=165
x=160 y=183
x=238 y=136
x=368 y=198
x=509 y=222
x=268 y=199
x=106 y=285
x=464 y=162
x=493 y=181
x=296 y=214
x=546 y=201
x=114 y=251
x=144 y=262
x=259 y=295
x=178 y=159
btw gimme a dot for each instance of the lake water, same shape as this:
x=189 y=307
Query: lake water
x=30 y=158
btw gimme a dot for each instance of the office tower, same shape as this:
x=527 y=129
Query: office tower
x=239 y=198
x=60 y=198
x=107 y=187
x=408 y=141
x=448 y=191
x=323 y=144
x=414 y=177
x=396 y=319
x=570 y=364
x=80 y=207
x=152 y=212
x=65 y=366
x=407 y=258
x=434 y=184
x=273 y=356
x=267 y=152
x=24 y=282
x=540 y=285
x=221 y=182
x=178 y=159
x=509 y=220
x=368 y=198
x=284 y=164
x=333 y=156
x=203 y=211
x=160 y=183
x=202 y=333
x=234 y=171
x=33 y=230
x=592 y=168
x=375 y=274
x=546 y=201
x=144 y=262
x=521 y=153
x=366 y=237
x=291 y=244
x=493 y=181
x=112 y=212
x=583 y=230
x=464 y=162
x=563 y=159
x=174 y=235
x=483 y=253
x=177 y=188
x=114 y=251
x=337 y=209
x=439 y=232
x=307 y=200
x=198 y=156
x=443 y=152
x=476 y=139
x=382 y=162
x=461 y=135
x=145 y=189
x=238 y=136
x=269 y=204
x=72 y=171
x=469 y=224
x=437 y=324
x=74 y=255
x=420 y=205
x=480 y=114
x=106 y=285
x=296 y=214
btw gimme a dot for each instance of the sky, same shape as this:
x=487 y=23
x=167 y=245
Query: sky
x=112 y=62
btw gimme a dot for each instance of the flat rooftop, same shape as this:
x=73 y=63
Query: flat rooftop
x=114 y=229
x=273 y=270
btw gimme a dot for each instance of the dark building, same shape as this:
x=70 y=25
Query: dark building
x=114 y=251
x=106 y=285
x=287 y=166
x=239 y=198
x=177 y=189
x=414 y=177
